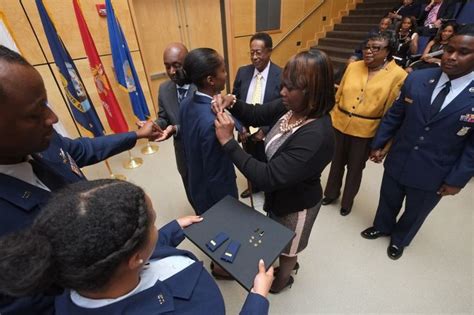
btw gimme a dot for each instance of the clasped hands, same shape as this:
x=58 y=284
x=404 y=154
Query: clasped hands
x=377 y=156
x=153 y=132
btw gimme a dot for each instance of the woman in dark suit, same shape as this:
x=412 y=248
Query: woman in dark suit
x=298 y=148
x=211 y=175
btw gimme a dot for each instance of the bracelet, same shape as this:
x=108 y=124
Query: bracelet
x=234 y=100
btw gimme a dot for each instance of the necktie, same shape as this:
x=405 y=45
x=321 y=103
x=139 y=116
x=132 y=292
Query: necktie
x=431 y=15
x=46 y=176
x=181 y=94
x=439 y=100
x=257 y=96
x=257 y=92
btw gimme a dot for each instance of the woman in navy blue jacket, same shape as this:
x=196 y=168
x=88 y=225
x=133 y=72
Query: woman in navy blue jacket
x=211 y=174
x=98 y=240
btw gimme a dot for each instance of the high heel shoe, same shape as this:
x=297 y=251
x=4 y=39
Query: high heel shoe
x=290 y=282
x=295 y=268
x=219 y=276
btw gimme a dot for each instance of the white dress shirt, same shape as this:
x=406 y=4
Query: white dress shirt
x=249 y=99
x=24 y=172
x=457 y=86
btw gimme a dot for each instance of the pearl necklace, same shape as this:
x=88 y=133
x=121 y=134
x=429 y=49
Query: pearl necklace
x=285 y=127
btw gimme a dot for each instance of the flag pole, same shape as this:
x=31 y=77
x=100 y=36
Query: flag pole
x=149 y=148
x=132 y=162
x=111 y=174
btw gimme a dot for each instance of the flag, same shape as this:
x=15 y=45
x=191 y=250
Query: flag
x=6 y=37
x=81 y=107
x=111 y=107
x=123 y=65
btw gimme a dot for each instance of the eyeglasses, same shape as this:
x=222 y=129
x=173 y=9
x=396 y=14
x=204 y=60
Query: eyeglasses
x=374 y=49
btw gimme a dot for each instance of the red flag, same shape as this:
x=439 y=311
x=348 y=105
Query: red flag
x=111 y=107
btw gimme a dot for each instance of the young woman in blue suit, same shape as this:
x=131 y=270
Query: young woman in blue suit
x=98 y=240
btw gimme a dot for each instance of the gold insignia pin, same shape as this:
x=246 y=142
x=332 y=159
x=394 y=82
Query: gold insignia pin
x=408 y=100
x=63 y=155
x=432 y=80
x=463 y=131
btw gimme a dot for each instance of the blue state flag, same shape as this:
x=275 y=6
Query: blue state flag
x=125 y=72
x=81 y=107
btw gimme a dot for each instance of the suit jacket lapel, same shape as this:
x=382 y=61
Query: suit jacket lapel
x=424 y=97
x=464 y=99
x=22 y=194
x=246 y=81
x=272 y=80
x=172 y=98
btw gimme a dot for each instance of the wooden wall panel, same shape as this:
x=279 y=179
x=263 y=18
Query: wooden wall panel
x=151 y=17
x=22 y=32
x=193 y=23
x=243 y=17
x=204 y=24
x=62 y=14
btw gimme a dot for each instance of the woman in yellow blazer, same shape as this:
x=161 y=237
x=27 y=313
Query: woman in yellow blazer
x=367 y=90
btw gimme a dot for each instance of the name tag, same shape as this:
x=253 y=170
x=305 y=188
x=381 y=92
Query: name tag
x=408 y=100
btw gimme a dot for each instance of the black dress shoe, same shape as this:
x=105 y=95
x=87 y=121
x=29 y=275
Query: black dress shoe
x=327 y=201
x=290 y=282
x=245 y=193
x=372 y=233
x=394 y=252
x=345 y=212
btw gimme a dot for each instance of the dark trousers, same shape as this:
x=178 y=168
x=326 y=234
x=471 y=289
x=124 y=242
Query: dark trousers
x=352 y=152
x=418 y=206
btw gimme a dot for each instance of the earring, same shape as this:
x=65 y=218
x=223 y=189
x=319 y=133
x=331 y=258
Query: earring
x=140 y=261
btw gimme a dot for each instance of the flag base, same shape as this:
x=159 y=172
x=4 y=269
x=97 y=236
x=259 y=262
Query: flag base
x=149 y=149
x=118 y=176
x=133 y=162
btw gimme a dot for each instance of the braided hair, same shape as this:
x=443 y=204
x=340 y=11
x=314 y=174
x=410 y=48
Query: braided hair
x=78 y=240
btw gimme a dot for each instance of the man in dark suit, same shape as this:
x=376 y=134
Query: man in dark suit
x=257 y=83
x=432 y=154
x=170 y=95
x=35 y=160
x=433 y=15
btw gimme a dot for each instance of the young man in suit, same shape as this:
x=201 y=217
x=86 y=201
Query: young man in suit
x=35 y=160
x=257 y=83
x=432 y=155
x=170 y=95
